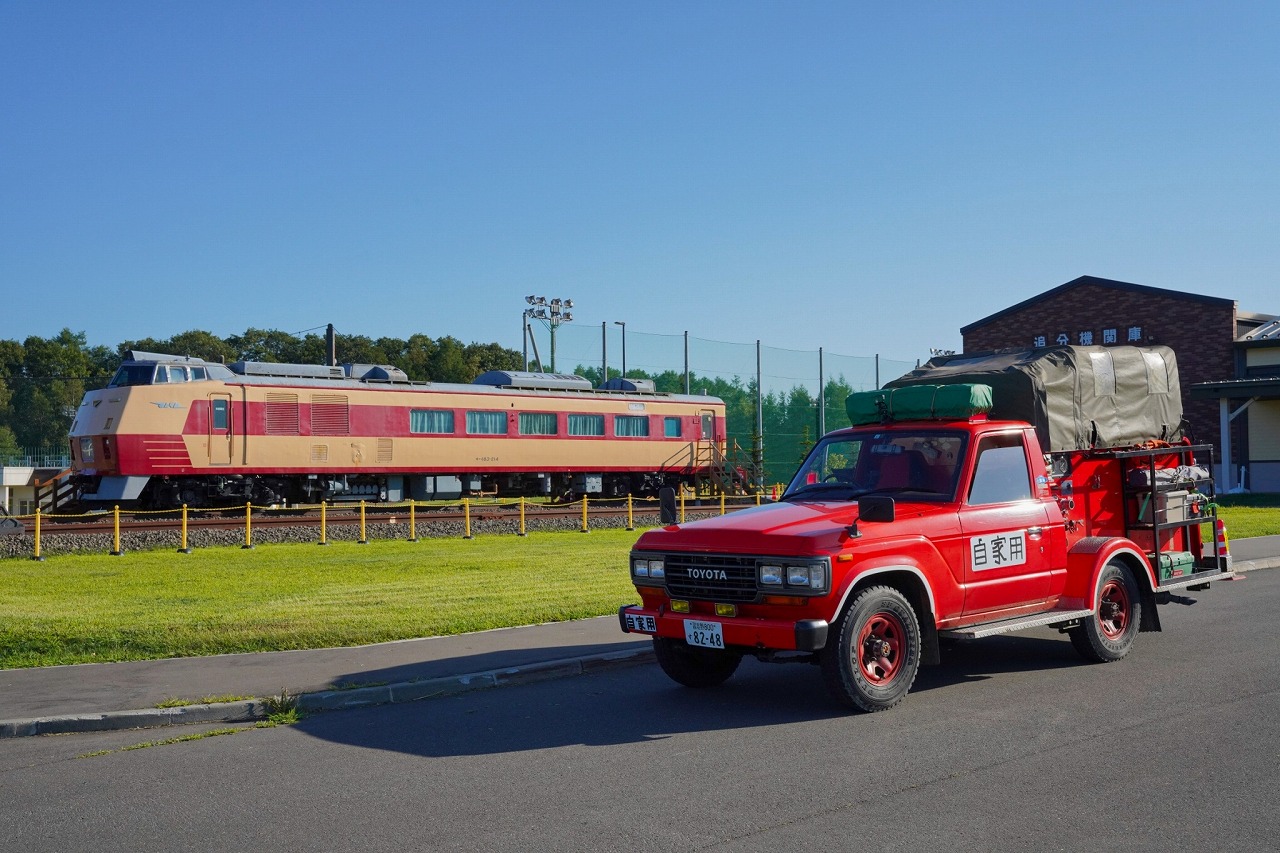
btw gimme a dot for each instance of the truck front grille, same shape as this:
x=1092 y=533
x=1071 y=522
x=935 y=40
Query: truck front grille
x=711 y=577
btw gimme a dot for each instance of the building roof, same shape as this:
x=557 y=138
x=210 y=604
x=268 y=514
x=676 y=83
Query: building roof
x=1261 y=386
x=1100 y=282
x=1268 y=333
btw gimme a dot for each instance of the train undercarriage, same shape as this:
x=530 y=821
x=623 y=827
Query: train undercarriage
x=201 y=492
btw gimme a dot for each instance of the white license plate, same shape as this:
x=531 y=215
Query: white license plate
x=706 y=634
x=641 y=623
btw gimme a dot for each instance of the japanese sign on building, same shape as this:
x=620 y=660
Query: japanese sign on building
x=1132 y=335
x=997 y=550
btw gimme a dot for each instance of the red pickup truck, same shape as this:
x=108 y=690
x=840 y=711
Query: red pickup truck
x=929 y=519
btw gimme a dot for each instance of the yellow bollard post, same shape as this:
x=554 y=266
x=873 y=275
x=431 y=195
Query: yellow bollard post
x=523 y=531
x=757 y=499
x=184 y=548
x=363 y=540
x=584 y=515
x=248 y=528
x=722 y=503
x=682 y=505
x=631 y=519
x=466 y=518
x=115 y=532
x=35 y=555
x=324 y=528
x=413 y=521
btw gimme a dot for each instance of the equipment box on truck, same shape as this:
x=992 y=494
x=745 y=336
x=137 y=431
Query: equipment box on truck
x=974 y=496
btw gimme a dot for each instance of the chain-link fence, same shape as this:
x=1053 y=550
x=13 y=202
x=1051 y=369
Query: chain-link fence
x=801 y=393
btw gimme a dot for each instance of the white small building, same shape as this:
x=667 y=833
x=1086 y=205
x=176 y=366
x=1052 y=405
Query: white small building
x=18 y=489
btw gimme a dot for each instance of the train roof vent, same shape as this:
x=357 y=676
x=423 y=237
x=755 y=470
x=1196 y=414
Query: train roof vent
x=375 y=372
x=302 y=371
x=621 y=383
x=540 y=381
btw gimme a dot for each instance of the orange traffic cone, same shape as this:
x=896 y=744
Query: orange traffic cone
x=1221 y=549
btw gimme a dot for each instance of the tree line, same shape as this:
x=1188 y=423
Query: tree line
x=42 y=381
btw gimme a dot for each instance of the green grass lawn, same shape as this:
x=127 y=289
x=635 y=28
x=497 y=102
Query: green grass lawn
x=76 y=609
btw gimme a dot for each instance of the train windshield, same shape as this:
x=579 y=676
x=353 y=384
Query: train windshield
x=133 y=374
x=138 y=373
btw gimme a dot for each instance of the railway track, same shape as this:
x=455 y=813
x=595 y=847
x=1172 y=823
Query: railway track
x=347 y=516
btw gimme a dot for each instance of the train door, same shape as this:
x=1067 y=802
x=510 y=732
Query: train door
x=219 y=429
x=708 y=418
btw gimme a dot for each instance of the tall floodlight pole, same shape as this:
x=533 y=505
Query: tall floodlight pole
x=624 y=346
x=552 y=312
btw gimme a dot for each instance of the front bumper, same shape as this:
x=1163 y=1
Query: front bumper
x=804 y=635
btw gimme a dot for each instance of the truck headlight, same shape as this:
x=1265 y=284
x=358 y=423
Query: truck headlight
x=771 y=575
x=811 y=576
x=653 y=569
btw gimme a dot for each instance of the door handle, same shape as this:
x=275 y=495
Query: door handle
x=1034 y=532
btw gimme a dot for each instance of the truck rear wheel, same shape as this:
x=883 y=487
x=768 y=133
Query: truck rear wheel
x=695 y=667
x=1109 y=635
x=874 y=660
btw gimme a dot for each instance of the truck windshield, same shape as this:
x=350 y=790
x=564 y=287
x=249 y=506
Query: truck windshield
x=846 y=466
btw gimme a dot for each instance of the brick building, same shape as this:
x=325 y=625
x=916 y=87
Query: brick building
x=1206 y=333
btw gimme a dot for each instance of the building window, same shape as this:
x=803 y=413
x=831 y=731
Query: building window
x=586 y=424
x=486 y=423
x=630 y=426
x=537 y=423
x=671 y=427
x=431 y=422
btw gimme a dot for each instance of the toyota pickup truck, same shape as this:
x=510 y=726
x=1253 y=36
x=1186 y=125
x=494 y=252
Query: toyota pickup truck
x=933 y=518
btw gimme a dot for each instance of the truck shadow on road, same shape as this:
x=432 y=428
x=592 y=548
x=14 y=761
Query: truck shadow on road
x=638 y=704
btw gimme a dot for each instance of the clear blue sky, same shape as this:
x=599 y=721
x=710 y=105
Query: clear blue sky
x=865 y=177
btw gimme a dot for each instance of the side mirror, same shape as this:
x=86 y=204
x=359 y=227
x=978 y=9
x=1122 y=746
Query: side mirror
x=876 y=508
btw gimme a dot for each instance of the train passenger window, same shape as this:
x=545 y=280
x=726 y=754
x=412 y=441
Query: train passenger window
x=586 y=424
x=672 y=427
x=431 y=422
x=198 y=374
x=177 y=374
x=486 y=423
x=537 y=423
x=162 y=375
x=630 y=426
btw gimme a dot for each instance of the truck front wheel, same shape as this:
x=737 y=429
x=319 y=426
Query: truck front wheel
x=874 y=660
x=694 y=667
x=1110 y=633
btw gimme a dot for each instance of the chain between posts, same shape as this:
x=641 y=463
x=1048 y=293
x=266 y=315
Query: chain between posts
x=117 y=526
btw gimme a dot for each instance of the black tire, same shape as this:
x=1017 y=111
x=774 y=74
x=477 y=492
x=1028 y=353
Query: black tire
x=692 y=666
x=876 y=654
x=1110 y=633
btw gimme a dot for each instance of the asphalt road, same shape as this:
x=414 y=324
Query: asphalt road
x=1014 y=744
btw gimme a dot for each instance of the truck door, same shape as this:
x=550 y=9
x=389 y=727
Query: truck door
x=1008 y=530
x=219 y=429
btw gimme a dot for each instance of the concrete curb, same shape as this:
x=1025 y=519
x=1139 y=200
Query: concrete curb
x=253 y=710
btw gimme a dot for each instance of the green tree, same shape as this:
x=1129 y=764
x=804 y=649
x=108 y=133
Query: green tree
x=56 y=372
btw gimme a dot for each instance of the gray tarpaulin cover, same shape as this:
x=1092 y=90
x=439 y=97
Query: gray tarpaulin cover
x=1077 y=397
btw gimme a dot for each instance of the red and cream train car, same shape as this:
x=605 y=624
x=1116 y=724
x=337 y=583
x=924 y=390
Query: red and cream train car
x=171 y=430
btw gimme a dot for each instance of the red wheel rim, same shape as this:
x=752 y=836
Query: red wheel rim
x=880 y=645
x=1113 y=609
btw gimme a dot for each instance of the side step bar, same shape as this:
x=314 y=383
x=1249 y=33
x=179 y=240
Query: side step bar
x=1038 y=620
